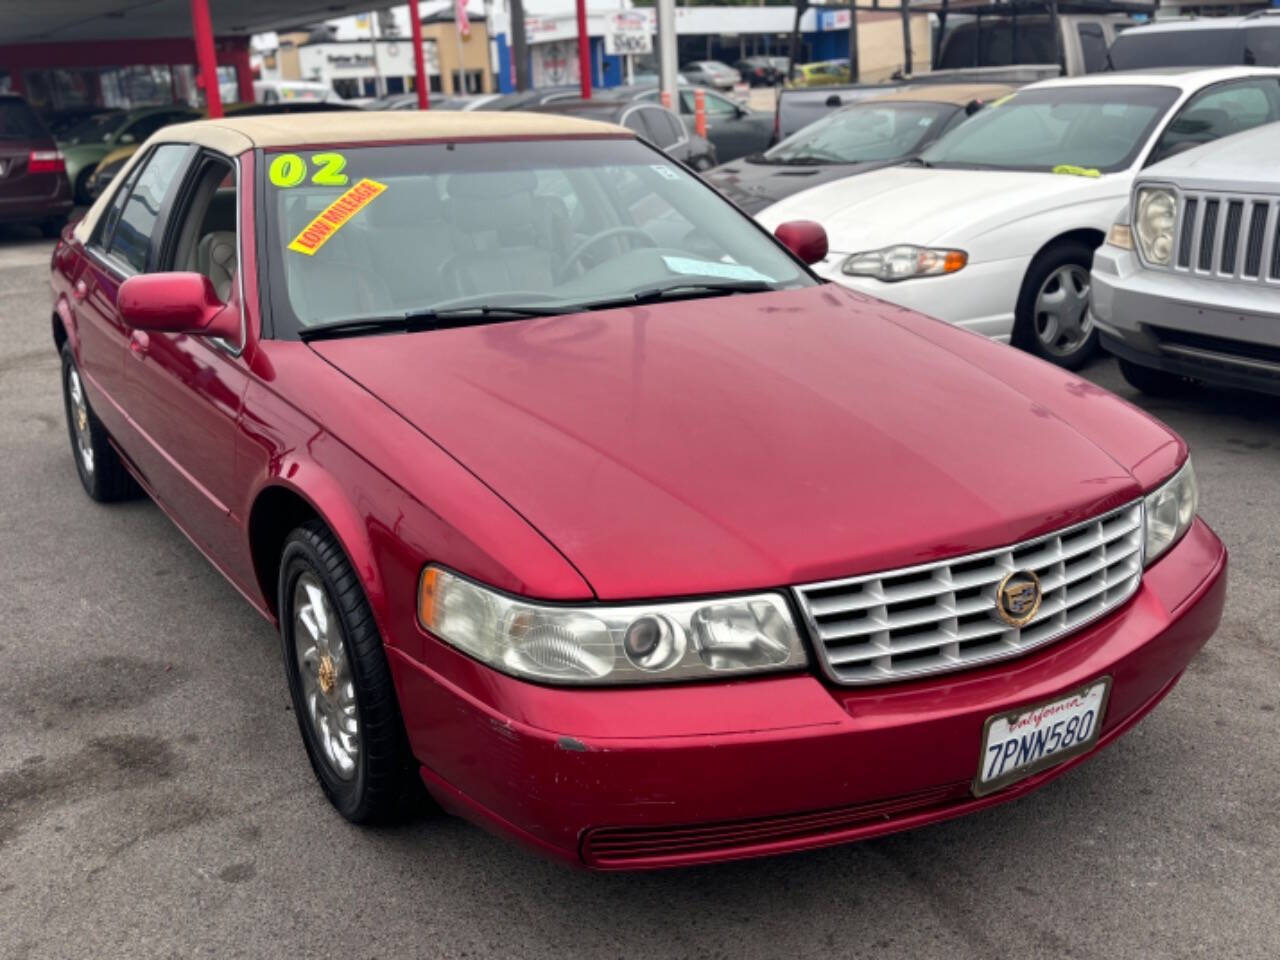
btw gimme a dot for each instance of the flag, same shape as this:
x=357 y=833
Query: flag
x=460 y=17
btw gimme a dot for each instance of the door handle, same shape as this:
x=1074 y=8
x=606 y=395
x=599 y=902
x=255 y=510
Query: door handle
x=80 y=291
x=139 y=342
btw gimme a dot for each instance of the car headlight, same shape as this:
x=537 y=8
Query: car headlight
x=607 y=644
x=1169 y=512
x=904 y=261
x=1154 y=215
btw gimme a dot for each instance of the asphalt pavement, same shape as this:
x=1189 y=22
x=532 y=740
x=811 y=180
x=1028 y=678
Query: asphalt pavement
x=155 y=800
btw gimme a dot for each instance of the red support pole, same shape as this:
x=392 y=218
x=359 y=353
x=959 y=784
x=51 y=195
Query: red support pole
x=244 y=73
x=419 y=65
x=584 y=50
x=202 y=28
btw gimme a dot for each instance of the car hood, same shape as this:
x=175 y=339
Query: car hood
x=754 y=186
x=749 y=441
x=917 y=205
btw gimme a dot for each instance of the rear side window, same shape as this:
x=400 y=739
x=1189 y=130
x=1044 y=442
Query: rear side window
x=998 y=43
x=1093 y=46
x=19 y=122
x=1142 y=49
x=132 y=236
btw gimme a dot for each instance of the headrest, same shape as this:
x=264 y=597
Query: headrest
x=221 y=214
x=491 y=185
x=406 y=203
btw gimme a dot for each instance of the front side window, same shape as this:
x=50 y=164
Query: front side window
x=1099 y=127
x=131 y=240
x=1220 y=111
x=1262 y=46
x=555 y=226
x=861 y=133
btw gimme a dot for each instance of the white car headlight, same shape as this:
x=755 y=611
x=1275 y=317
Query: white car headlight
x=1154 y=215
x=606 y=644
x=1169 y=511
x=904 y=261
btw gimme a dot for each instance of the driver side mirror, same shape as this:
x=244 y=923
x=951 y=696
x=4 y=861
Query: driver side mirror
x=806 y=239
x=176 y=303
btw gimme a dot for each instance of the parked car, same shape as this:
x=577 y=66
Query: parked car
x=33 y=176
x=763 y=71
x=732 y=129
x=1185 y=288
x=1021 y=39
x=293 y=91
x=823 y=74
x=620 y=502
x=1200 y=41
x=711 y=73
x=409 y=101
x=85 y=144
x=660 y=126
x=109 y=167
x=994 y=226
x=60 y=121
x=870 y=134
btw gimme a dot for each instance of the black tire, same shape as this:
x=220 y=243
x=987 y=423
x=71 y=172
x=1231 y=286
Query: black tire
x=52 y=226
x=102 y=474
x=82 y=186
x=1064 y=254
x=383 y=784
x=1153 y=382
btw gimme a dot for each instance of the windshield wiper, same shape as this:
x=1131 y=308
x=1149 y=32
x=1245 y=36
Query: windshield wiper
x=419 y=320
x=917 y=162
x=684 y=290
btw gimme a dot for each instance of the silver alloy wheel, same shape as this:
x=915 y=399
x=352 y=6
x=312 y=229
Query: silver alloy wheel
x=328 y=690
x=1062 y=319
x=80 y=419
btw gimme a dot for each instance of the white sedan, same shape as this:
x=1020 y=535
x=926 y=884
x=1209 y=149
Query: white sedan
x=993 y=228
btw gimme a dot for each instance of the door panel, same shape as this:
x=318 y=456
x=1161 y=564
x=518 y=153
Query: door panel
x=103 y=342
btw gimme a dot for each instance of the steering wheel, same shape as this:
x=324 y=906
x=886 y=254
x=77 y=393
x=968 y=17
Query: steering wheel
x=606 y=234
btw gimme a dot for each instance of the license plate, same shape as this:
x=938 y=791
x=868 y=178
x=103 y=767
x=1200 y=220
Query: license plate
x=1027 y=740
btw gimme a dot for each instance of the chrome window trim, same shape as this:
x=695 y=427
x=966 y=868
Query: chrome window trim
x=219 y=342
x=800 y=596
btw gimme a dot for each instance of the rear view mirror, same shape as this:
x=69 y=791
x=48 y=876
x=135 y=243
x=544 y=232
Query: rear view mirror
x=806 y=239
x=176 y=303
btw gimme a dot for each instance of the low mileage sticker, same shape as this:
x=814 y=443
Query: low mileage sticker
x=335 y=216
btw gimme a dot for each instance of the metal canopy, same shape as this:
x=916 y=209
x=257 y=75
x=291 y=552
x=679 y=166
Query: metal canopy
x=68 y=21
x=1031 y=7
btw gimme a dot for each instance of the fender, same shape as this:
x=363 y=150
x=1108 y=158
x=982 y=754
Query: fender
x=67 y=317
x=317 y=487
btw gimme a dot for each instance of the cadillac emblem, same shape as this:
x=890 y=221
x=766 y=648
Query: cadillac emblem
x=1018 y=598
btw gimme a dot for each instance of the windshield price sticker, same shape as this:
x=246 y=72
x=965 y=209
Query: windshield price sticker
x=687 y=266
x=662 y=170
x=335 y=216
x=289 y=170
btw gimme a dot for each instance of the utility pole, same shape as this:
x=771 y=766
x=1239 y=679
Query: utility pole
x=519 y=45
x=906 y=37
x=794 y=52
x=668 y=76
x=379 y=84
x=853 y=41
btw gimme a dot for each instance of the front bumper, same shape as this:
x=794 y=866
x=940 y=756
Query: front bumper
x=670 y=776
x=982 y=297
x=1219 y=331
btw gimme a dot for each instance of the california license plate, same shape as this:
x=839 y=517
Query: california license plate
x=1027 y=740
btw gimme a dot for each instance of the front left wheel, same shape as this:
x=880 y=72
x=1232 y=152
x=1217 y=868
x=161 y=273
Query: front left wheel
x=1052 y=318
x=340 y=682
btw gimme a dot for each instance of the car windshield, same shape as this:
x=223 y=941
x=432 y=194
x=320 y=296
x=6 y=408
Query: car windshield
x=95 y=129
x=1209 y=47
x=862 y=133
x=553 y=226
x=1095 y=127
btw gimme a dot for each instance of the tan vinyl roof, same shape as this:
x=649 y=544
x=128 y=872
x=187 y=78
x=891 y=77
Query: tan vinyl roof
x=957 y=93
x=234 y=135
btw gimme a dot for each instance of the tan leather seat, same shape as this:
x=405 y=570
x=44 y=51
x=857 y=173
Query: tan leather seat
x=216 y=259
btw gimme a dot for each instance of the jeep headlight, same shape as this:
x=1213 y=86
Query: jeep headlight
x=903 y=261
x=1169 y=511
x=1154 y=216
x=606 y=643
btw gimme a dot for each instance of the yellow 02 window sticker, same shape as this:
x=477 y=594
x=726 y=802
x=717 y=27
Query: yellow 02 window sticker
x=335 y=216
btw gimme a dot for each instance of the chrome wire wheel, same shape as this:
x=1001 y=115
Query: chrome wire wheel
x=78 y=409
x=1062 y=320
x=328 y=690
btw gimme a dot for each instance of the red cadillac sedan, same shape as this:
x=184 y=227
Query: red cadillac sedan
x=580 y=499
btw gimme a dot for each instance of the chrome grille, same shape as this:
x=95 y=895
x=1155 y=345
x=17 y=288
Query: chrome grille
x=942 y=616
x=1230 y=237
